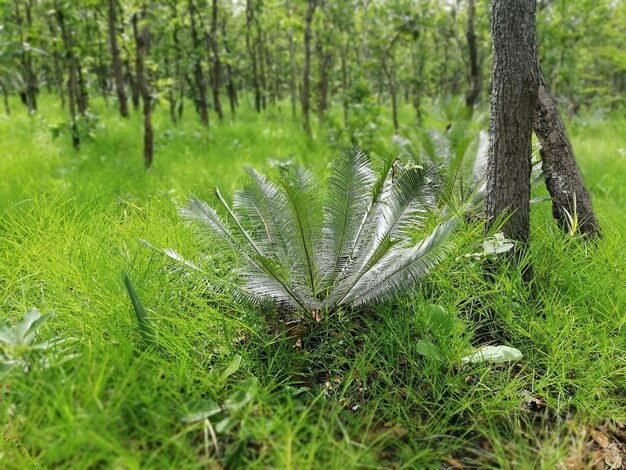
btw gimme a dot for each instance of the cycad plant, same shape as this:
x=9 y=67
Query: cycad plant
x=459 y=164
x=315 y=254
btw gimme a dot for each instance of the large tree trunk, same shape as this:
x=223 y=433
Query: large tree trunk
x=514 y=97
x=116 y=61
x=306 y=72
x=142 y=43
x=474 y=71
x=570 y=197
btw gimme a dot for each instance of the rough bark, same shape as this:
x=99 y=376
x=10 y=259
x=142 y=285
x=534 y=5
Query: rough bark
x=514 y=97
x=142 y=43
x=562 y=176
x=116 y=61
x=306 y=72
x=474 y=70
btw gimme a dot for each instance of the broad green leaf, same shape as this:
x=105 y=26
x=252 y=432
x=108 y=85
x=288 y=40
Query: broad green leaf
x=231 y=369
x=202 y=410
x=495 y=354
x=428 y=349
x=439 y=321
x=237 y=400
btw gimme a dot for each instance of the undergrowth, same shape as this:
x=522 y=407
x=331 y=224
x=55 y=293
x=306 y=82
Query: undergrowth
x=356 y=392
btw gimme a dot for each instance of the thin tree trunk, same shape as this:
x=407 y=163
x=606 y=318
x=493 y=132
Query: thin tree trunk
x=514 y=97
x=230 y=84
x=325 y=60
x=252 y=53
x=306 y=99
x=474 y=71
x=217 y=65
x=72 y=82
x=26 y=56
x=293 y=88
x=142 y=43
x=201 y=99
x=5 y=101
x=344 y=85
x=562 y=176
x=390 y=73
x=260 y=48
x=57 y=61
x=83 y=95
x=116 y=62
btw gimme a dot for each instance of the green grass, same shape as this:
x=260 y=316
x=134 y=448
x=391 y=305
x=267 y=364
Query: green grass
x=355 y=393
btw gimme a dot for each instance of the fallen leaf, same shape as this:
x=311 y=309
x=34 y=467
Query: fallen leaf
x=495 y=354
x=601 y=439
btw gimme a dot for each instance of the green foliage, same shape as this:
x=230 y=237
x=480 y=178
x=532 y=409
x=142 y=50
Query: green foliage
x=19 y=348
x=354 y=249
x=356 y=393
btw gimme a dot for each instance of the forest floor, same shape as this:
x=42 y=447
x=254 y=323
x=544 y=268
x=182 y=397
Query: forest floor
x=227 y=386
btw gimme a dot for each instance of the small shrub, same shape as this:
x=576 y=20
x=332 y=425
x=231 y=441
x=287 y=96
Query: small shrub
x=315 y=255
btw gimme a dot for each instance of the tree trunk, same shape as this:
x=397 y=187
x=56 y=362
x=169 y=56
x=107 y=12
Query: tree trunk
x=570 y=197
x=252 y=53
x=344 y=85
x=230 y=84
x=260 y=48
x=390 y=73
x=202 y=104
x=292 y=69
x=116 y=62
x=306 y=99
x=514 y=97
x=57 y=60
x=142 y=43
x=72 y=82
x=325 y=61
x=83 y=94
x=26 y=56
x=217 y=65
x=474 y=71
x=5 y=100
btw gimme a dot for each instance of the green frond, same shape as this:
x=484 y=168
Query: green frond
x=355 y=248
x=347 y=200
